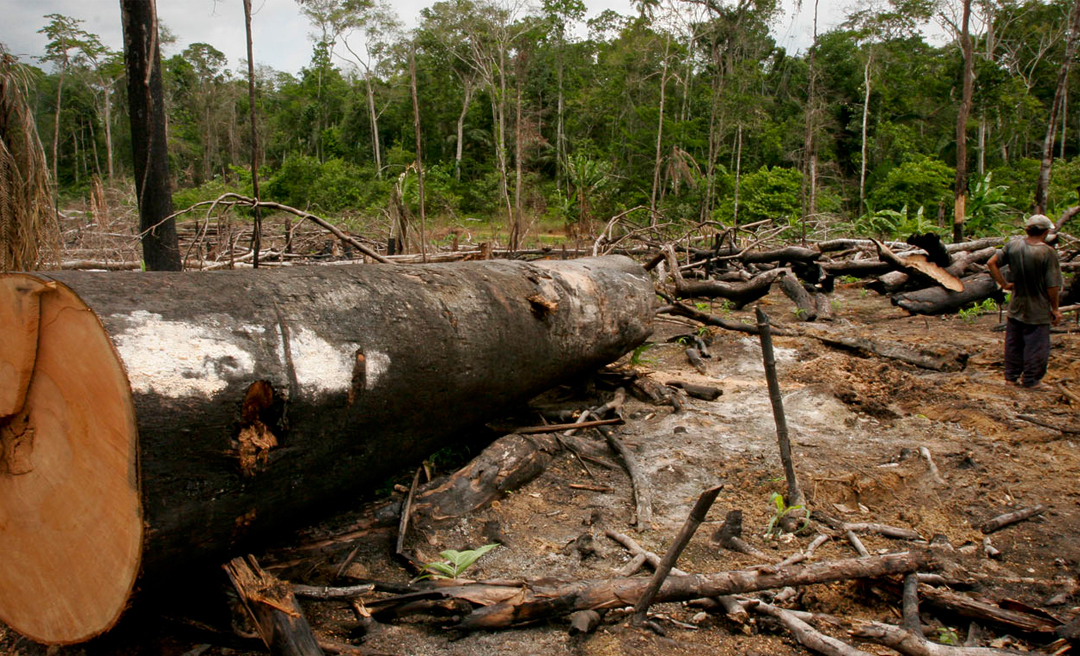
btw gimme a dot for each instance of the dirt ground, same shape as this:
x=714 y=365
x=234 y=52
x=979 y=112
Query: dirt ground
x=857 y=424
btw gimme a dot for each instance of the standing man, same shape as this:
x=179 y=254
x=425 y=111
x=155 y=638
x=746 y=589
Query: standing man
x=1036 y=280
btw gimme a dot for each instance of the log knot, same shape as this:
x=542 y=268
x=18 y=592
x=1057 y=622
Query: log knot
x=16 y=444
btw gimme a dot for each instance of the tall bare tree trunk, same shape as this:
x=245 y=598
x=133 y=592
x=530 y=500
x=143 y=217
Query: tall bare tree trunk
x=560 y=139
x=148 y=139
x=865 y=121
x=515 y=232
x=960 y=195
x=738 y=173
x=419 y=159
x=809 y=182
x=461 y=128
x=373 y=117
x=1043 y=184
x=256 y=234
x=659 y=135
x=56 y=140
x=108 y=129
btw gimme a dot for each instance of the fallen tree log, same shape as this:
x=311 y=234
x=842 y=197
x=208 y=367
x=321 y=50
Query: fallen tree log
x=212 y=408
x=938 y=300
x=503 y=606
x=946 y=359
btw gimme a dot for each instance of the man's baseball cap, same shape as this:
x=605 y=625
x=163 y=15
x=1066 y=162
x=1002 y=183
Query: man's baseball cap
x=1039 y=221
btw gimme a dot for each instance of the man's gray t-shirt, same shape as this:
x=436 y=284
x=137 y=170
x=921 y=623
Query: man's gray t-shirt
x=1032 y=269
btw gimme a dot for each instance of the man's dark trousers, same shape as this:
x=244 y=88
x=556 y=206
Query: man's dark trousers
x=1027 y=351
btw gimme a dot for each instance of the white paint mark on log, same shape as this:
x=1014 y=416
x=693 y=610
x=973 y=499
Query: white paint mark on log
x=178 y=359
x=320 y=366
x=377 y=364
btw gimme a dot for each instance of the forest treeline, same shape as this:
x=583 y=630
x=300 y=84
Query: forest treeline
x=688 y=108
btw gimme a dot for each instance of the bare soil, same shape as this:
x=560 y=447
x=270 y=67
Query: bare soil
x=857 y=424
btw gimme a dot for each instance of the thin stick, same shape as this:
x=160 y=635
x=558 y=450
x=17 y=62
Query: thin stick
x=795 y=495
x=857 y=543
x=807 y=635
x=555 y=428
x=328 y=592
x=642 y=490
x=406 y=511
x=633 y=547
x=1001 y=521
x=894 y=532
x=697 y=516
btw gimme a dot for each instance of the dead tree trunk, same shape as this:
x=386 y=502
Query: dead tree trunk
x=148 y=142
x=213 y=407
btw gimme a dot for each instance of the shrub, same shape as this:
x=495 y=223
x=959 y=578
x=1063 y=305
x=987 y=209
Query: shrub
x=919 y=182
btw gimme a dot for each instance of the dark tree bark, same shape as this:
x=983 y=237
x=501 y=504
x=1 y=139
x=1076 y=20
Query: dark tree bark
x=146 y=107
x=214 y=408
x=256 y=233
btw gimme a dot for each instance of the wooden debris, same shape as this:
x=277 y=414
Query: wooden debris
x=794 y=492
x=273 y=608
x=703 y=392
x=584 y=622
x=805 y=306
x=693 y=356
x=633 y=547
x=951 y=360
x=729 y=536
x=856 y=542
x=697 y=516
x=640 y=482
x=914 y=644
x=511 y=606
x=1009 y=518
x=807 y=635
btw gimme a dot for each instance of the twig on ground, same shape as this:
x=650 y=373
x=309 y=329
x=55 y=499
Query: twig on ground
x=857 y=543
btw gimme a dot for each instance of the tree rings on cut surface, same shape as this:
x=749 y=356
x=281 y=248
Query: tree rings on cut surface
x=70 y=520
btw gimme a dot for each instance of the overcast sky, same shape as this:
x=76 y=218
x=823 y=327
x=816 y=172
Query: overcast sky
x=280 y=32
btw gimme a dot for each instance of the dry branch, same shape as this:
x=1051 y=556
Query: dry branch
x=1009 y=518
x=543 y=601
x=807 y=635
x=697 y=516
x=914 y=644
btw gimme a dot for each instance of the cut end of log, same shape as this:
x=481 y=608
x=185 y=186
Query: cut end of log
x=70 y=517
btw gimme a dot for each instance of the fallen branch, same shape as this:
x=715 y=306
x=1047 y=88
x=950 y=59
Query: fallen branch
x=638 y=479
x=543 y=601
x=1009 y=518
x=806 y=635
x=697 y=516
x=952 y=361
x=913 y=644
x=633 y=547
x=894 y=532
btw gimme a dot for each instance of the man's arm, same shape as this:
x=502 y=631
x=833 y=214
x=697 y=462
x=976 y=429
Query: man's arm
x=1055 y=312
x=995 y=272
